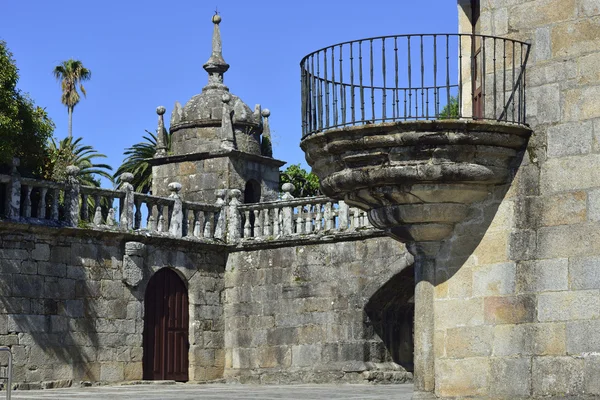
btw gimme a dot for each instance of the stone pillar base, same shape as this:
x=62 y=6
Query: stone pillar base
x=423 y=396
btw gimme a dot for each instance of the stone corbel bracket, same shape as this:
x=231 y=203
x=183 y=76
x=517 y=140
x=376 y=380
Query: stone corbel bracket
x=133 y=263
x=416 y=179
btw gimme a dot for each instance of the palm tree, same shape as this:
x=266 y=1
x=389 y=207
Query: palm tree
x=137 y=163
x=72 y=152
x=71 y=73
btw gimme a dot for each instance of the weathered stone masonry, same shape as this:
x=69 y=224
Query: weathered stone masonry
x=73 y=306
x=69 y=314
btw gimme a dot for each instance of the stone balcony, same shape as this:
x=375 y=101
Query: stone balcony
x=414 y=128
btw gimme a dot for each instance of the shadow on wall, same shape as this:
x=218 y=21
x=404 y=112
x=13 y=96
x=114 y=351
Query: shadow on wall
x=391 y=313
x=390 y=309
x=468 y=235
x=65 y=325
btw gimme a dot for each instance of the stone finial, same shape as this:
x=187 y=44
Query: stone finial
x=15 y=163
x=161 y=140
x=176 y=114
x=227 y=135
x=127 y=177
x=216 y=65
x=287 y=188
x=256 y=113
x=175 y=188
x=266 y=146
x=235 y=194
x=72 y=170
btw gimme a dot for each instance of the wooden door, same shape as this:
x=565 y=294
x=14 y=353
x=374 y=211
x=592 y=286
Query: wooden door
x=477 y=61
x=166 y=321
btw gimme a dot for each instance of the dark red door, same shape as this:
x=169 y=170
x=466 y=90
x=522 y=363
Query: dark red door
x=166 y=328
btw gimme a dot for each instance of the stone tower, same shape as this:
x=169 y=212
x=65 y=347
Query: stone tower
x=217 y=142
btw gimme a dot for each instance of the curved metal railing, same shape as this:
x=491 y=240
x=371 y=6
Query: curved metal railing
x=414 y=77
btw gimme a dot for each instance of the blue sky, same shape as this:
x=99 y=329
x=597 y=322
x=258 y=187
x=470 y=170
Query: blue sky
x=143 y=54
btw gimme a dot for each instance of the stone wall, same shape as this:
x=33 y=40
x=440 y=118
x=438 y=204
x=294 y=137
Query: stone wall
x=72 y=310
x=517 y=296
x=301 y=313
x=200 y=176
x=309 y=308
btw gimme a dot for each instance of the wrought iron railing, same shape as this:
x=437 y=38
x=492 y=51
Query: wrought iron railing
x=414 y=77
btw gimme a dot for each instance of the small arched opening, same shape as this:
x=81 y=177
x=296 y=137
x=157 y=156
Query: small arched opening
x=166 y=322
x=252 y=192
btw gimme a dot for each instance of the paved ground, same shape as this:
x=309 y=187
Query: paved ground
x=221 y=392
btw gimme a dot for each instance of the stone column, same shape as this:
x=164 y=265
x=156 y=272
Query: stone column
x=221 y=221
x=287 y=211
x=72 y=196
x=424 y=357
x=13 y=192
x=227 y=135
x=234 y=222
x=176 y=217
x=128 y=202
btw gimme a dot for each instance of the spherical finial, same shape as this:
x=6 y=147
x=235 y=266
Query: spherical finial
x=288 y=187
x=160 y=110
x=216 y=19
x=127 y=177
x=266 y=113
x=72 y=170
x=221 y=193
x=235 y=194
x=226 y=98
x=174 y=187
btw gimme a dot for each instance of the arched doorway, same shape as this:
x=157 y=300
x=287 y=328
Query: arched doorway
x=166 y=323
x=252 y=192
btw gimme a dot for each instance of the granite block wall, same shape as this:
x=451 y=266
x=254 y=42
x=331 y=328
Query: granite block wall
x=523 y=274
x=72 y=310
x=299 y=313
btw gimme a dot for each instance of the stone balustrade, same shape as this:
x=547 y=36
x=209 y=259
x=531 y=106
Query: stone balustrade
x=70 y=204
x=302 y=216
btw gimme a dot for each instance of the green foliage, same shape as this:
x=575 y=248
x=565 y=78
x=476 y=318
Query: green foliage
x=24 y=127
x=72 y=152
x=450 y=110
x=306 y=184
x=137 y=163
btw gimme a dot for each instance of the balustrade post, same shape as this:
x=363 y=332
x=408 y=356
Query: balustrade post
x=198 y=227
x=13 y=194
x=318 y=217
x=328 y=216
x=41 y=211
x=97 y=211
x=128 y=201
x=221 y=222
x=176 y=217
x=234 y=222
x=276 y=228
x=27 y=201
x=257 y=224
x=343 y=215
x=287 y=211
x=247 y=225
x=266 y=222
x=72 y=196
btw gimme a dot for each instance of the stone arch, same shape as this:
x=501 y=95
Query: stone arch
x=166 y=327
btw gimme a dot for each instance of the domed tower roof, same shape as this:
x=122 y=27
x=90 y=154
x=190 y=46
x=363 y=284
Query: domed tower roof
x=206 y=109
